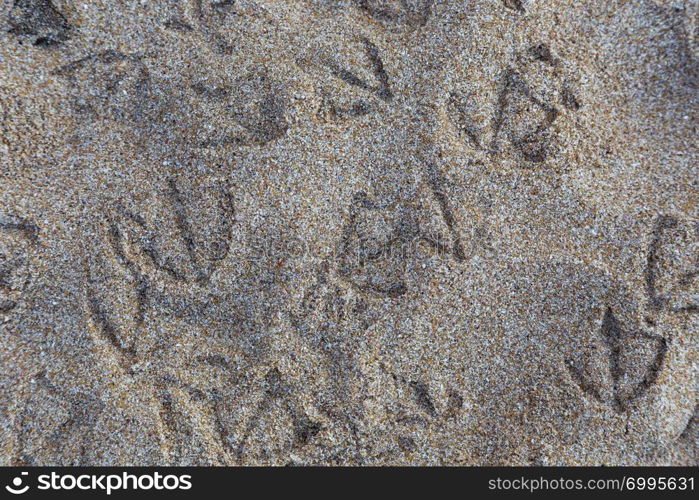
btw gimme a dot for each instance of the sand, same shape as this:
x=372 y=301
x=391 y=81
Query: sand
x=360 y=232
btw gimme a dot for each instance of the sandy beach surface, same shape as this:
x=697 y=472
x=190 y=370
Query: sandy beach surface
x=349 y=232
